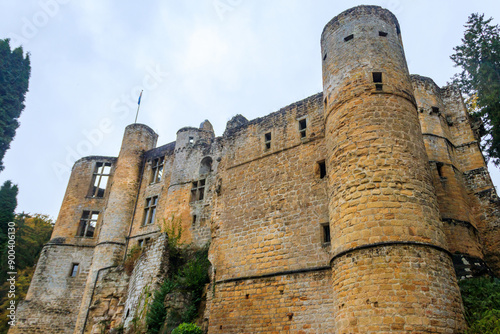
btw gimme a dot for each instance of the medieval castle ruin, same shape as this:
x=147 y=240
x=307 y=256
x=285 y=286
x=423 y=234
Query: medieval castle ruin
x=355 y=210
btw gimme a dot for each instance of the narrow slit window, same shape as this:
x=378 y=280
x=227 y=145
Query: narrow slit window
x=322 y=169
x=324 y=57
x=326 y=233
x=348 y=38
x=88 y=223
x=198 y=190
x=100 y=179
x=439 y=166
x=303 y=128
x=157 y=170
x=194 y=219
x=267 y=140
x=150 y=210
x=382 y=34
x=74 y=270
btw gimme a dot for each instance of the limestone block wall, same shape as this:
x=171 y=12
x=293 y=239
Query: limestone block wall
x=293 y=303
x=54 y=297
x=110 y=293
x=467 y=200
x=271 y=205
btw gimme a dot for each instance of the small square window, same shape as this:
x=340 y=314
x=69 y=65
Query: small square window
x=435 y=110
x=377 y=77
x=74 y=270
x=267 y=140
x=303 y=128
x=325 y=233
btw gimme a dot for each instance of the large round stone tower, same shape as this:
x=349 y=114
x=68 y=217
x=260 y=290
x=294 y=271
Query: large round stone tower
x=391 y=268
x=111 y=243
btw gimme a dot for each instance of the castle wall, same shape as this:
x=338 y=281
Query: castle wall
x=272 y=203
x=54 y=297
x=292 y=303
x=347 y=211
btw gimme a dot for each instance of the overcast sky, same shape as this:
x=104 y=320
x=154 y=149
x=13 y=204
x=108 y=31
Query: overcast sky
x=195 y=60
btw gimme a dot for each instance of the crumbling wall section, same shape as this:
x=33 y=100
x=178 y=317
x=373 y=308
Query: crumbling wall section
x=149 y=272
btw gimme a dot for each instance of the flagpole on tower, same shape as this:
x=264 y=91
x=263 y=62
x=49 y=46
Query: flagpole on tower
x=138 y=106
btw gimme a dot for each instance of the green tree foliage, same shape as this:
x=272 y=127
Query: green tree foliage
x=481 y=298
x=479 y=58
x=32 y=232
x=8 y=203
x=14 y=78
x=186 y=328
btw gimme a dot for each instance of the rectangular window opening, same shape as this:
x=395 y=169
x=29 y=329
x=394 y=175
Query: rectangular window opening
x=382 y=33
x=379 y=87
x=191 y=140
x=140 y=243
x=435 y=110
x=74 y=270
x=326 y=233
x=322 y=169
x=377 y=77
x=150 y=210
x=303 y=128
x=88 y=224
x=100 y=179
x=348 y=38
x=198 y=190
x=194 y=219
x=157 y=170
x=267 y=140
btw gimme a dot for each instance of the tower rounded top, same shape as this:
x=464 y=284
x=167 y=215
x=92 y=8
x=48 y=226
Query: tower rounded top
x=358 y=11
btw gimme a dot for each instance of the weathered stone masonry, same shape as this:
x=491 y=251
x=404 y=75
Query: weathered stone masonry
x=352 y=211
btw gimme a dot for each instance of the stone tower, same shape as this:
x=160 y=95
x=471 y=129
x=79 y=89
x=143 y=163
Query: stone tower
x=388 y=247
x=115 y=226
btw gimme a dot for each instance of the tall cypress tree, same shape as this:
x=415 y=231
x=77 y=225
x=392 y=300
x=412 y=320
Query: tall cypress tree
x=14 y=78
